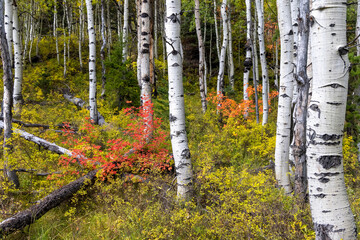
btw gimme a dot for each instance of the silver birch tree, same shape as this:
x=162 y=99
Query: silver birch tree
x=220 y=79
x=17 y=94
x=179 y=142
x=202 y=75
x=248 y=57
x=264 y=71
x=330 y=209
x=283 y=128
x=92 y=62
x=102 y=50
x=8 y=19
x=230 y=55
x=125 y=30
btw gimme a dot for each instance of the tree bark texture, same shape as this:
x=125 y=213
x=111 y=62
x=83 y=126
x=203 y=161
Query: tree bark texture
x=202 y=75
x=125 y=30
x=220 y=79
x=92 y=62
x=179 y=142
x=283 y=126
x=248 y=58
x=330 y=209
x=8 y=20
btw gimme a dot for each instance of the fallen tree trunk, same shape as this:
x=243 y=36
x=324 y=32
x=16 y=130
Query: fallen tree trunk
x=41 y=142
x=54 y=199
x=82 y=104
x=37 y=125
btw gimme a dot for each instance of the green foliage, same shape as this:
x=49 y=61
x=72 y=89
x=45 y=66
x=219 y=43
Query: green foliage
x=122 y=88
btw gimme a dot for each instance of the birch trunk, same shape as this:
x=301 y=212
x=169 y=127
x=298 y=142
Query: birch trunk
x=64 y=43
x=329 y=203
x=264 y=71
x=55 y=26
x=7 y=99
x=220 y=79
x=8 y=18
x=217 y=42
x=248 y=57
x=92 y=62
x=202 y=60
x=230 y=56
x=179 y=142
x=283 y=128
x=125 y=30
x=102 y=50
x=81 y=25
x=358 y=29
x=17 y=94
x=294 y=17
x=156 y=55
x=300 y=111
x=255 y=72
x=145 y=66
x=138 y=61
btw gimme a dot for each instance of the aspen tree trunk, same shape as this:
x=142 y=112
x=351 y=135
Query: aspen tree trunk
x=202 y=60
x=294 y=17
x=145 y=66
x=81 y=25
x=138 y=66
x=248 y=57
x=156 y=55
x=230 y=56
x=17 y=94
x=55 y=26
x=217 y=42
x=125 y=30
x=329 y=203
x=102 y=50
x=92 y=62
x=220 y=79
x=300 y=110
x=276 y=72
x=8 y=18
x=260 y=14
x=255 y=71
x=7 y=99
x=283 y=128
x=109 y=31
x=179 y=142
x=64 y=43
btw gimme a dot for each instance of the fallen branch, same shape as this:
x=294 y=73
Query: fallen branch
x=54 y=199
x=82 y=104
x=36 y=125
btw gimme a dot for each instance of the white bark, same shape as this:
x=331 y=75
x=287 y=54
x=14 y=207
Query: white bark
x=92 y=62
x=81 y=26
x=17 y=94
x=202 y=74
x=102 y=50
x=294 y=17
x=8 y=19
x=255 y=70
x=329 y=203
x=220 y=79
x=285 y=96
x=179 y=142
x=230 y=56
x=138 y=61
x=248 y=58
x=216 y=31
x=156 y=55
x=264 y=71
x=55 y=25
x=125 y=30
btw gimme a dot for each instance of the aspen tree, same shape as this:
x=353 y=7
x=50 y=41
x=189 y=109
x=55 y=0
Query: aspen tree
x=248 y=57
x=125 y=30
x=179 y=142
x=8 y=20
x=230 y=56
x=217 y=42
x=102 y=50
x=283 y=128
x=18 y=78
x=330 y=209
x=92 y=62
x=7 y=99
x=55 y=26
x=358 y=29
x=202 y=75
x=259 y=6
x=220 y=79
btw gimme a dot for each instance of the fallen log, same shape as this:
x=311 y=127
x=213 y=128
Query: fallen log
x=82 y=104
x=37 y=125
x=54 y=199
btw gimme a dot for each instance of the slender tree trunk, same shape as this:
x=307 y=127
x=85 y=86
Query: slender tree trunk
x=264 y=71
x=8 y=18
x=276 y=71
x=81 y=26
x=156 y=55
x=138 y=66
x=146 y=89
x=179 y=142
x=202 y=60
x=248 y=57
x=64 y=43
x=300 y=111
x=294 y=16
x=255 y=71
x=329 y=203
x=109 y=31
x=92 y=62
x=125 y=30
x=17 y=94
x=285 y=96
x=358 y=29
x=230 y=56
x=102 y=50
x=55 y=26
x=7 y=100
x=217 y=42
x=220 y=79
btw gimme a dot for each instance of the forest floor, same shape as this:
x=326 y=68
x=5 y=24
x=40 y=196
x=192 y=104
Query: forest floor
x=235 y=197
